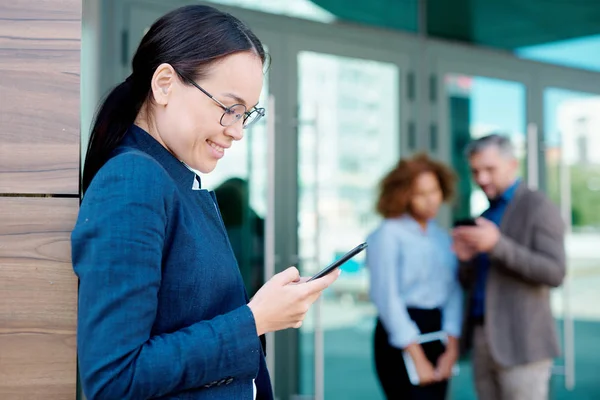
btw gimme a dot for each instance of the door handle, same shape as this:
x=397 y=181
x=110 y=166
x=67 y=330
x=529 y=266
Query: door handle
x=270 y=258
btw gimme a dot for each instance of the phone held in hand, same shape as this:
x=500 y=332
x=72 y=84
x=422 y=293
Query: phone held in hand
x=336 y=264
x=465 y=222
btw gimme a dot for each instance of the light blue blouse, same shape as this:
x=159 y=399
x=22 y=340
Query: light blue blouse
x=413 y=267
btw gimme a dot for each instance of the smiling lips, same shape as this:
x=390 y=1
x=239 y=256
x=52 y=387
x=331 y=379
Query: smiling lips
x=219 y=151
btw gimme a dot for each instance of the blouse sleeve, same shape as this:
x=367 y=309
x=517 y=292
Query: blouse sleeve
x=384 y=260
x=453 y=309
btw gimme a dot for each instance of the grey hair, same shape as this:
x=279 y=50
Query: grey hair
x=501 y=142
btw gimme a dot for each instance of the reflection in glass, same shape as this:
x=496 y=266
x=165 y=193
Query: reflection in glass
x=348 y=138
x=480 y=106
x=240 y=185
x=246 y=231
x=572 y=123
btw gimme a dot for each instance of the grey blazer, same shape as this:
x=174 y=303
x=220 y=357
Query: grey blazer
x=526 y=263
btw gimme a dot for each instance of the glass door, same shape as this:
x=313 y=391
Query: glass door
x=572 y=175
x=341 y=109
x=350 y=121
x=554 y=130
x=477 y=97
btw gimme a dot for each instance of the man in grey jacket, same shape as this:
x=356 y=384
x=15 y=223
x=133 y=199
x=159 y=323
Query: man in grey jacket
x=510 y=260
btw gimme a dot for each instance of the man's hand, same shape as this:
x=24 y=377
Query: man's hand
x=463 y=251
x=481 y=238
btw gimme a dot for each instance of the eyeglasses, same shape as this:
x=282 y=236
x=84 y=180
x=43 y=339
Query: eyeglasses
x=232 y=113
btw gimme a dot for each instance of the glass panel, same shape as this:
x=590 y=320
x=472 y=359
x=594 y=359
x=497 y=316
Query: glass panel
x=240 y=185
x=348 y=138
x=572 y=123
x=480 y=106
x=578 y=53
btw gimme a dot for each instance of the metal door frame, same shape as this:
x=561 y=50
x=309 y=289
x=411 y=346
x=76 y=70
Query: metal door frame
x=422 y=109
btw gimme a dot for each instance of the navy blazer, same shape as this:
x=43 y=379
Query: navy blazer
x=162 y=307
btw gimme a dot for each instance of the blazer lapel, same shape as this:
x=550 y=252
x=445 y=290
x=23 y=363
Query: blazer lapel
x=513 y=210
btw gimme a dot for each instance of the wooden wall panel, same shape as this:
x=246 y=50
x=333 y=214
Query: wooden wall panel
x=39 y=104
x=38 y=299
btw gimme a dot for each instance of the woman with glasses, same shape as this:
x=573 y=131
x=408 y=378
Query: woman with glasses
x=163 y=313
x=414 y=283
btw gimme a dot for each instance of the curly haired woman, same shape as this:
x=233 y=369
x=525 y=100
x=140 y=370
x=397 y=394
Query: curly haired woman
x=414 y=282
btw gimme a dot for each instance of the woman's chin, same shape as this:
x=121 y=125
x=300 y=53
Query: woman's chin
x=203 y=167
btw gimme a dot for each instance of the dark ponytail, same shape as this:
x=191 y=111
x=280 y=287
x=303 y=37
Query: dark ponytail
x=117 y=113
x=190 y=39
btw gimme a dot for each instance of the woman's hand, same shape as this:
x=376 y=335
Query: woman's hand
x=444 y=365
x=285 y=299
x=426 y=372
x=446 y=361
x=424 y=368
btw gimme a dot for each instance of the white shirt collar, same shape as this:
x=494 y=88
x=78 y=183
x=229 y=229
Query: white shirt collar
x=196 y=184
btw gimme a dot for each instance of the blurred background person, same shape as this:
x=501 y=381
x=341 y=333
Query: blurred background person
x=509 y=261
x=246 y=231
x=414 y=280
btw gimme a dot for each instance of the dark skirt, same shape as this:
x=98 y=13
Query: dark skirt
x=389 y=363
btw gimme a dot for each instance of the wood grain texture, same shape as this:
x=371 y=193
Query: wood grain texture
x=40 y=44
x=38 y=299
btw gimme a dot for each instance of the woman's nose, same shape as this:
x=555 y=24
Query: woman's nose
x=235 y=131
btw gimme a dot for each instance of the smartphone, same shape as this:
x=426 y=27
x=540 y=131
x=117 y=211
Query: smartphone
x=465 y=222
x=338 y=263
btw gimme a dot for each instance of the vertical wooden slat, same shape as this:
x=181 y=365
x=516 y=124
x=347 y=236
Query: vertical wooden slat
x=38 y=299
x=40 y=44
x=39 y=103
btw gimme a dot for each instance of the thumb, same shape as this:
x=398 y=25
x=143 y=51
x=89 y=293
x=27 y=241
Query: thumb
x=318 y=285
x=481 y=221
x=287 y=276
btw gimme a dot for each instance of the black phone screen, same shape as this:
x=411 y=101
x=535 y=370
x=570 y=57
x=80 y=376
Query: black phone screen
x=465 y=222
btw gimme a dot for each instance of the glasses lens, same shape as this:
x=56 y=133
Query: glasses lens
x=254 y=116
x=233 y=115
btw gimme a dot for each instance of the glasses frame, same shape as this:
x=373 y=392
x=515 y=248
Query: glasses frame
x=244 y=116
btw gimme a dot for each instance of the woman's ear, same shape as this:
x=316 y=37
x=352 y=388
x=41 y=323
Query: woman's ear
x=162 y=83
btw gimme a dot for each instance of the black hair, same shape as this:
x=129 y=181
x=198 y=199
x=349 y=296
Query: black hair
x=190 y=39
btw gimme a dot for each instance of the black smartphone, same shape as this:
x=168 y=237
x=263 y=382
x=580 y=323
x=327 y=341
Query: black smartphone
x=338 y=263
x=465 y=222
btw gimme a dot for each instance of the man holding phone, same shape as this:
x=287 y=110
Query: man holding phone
x=510 y=258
